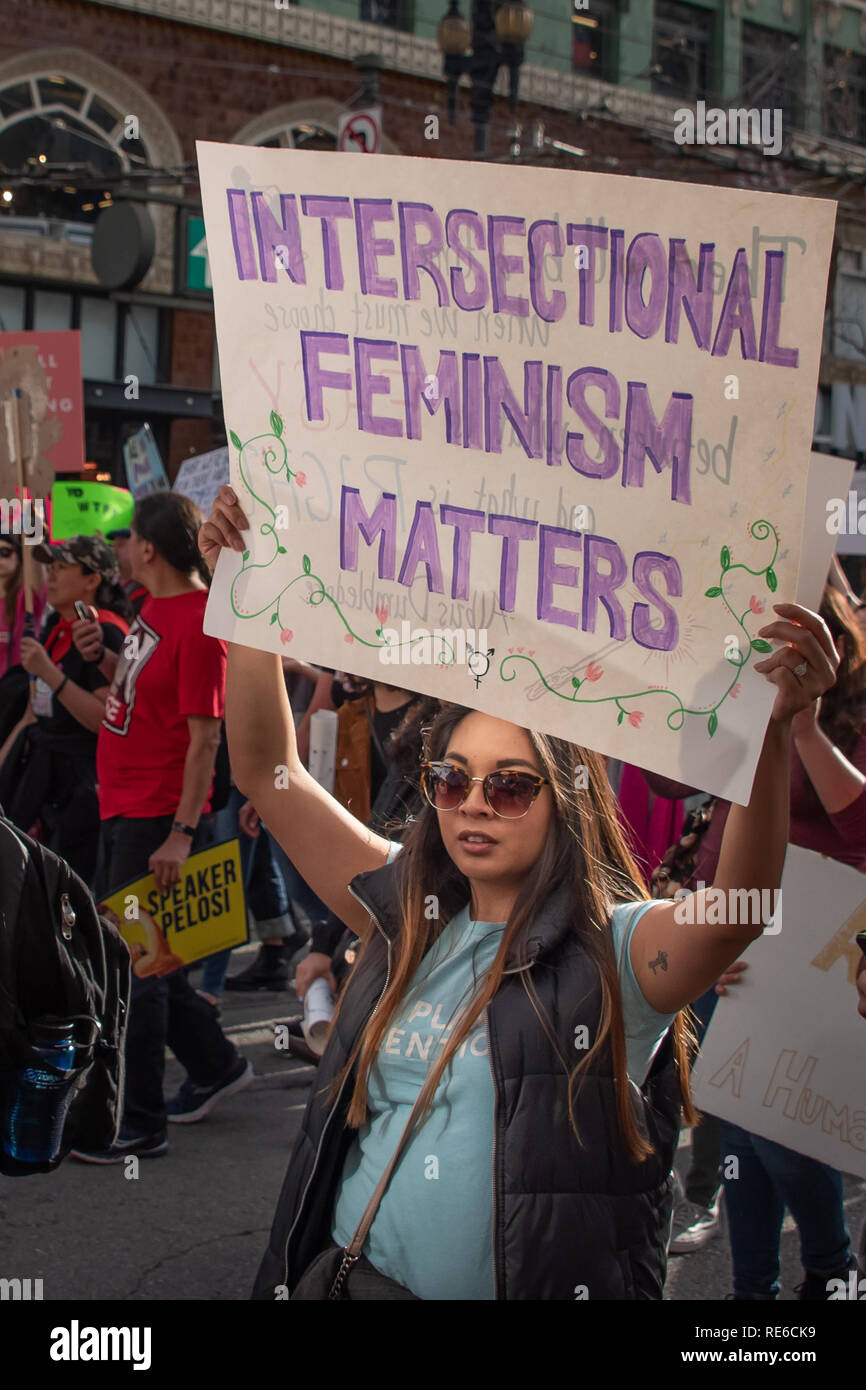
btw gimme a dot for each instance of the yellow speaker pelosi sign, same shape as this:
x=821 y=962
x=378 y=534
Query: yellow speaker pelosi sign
x=204 y=912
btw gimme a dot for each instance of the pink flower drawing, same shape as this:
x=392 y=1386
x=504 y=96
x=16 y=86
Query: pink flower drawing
x=635 y=718
x=594 y=672
x=736 y=690
x=382 y=612
x=301 y=479
x=756 y=605
x=348 y=637
x=286 y=635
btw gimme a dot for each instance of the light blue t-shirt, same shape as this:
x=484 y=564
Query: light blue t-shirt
x=433 y=1231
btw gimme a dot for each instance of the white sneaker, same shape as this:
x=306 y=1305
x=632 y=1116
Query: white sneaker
x=695 y=1227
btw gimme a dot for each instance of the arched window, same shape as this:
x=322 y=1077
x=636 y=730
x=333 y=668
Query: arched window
x=62 y=110
x=300 y=125
x=51 y=125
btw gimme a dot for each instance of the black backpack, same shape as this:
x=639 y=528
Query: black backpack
x=60 y=962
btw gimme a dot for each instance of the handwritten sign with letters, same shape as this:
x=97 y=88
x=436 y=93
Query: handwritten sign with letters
x=783 y=1054
x=532 y=441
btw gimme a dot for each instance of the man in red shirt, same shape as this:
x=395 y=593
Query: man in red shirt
x=155 y=761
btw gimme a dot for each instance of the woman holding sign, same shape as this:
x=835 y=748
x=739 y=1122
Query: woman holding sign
x=497 y=1107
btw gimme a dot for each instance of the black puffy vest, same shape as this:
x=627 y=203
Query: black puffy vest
x=572 y=1220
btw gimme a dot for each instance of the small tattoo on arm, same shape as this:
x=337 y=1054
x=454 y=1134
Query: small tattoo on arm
x=660 y=960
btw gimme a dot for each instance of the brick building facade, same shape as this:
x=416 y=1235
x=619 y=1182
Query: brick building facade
x=183 y=82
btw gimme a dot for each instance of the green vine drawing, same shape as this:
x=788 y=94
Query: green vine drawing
x=275 y=458
x=760 y=530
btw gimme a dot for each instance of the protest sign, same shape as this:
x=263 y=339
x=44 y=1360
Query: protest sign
x=538 y=447
x=144 y=468
x=81 y=509
x=47 y=368
x=204 y=912
x=829 y=479
x=200 y=478
x=783 y=1054
x=846 y=519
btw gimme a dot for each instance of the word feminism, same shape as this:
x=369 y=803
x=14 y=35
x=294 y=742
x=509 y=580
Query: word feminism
x=265 y=247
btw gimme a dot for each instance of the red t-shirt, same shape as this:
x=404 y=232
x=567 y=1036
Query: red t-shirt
x=170 y=672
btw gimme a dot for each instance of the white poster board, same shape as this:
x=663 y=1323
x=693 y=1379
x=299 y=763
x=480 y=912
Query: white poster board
x=785 y=1052
x=829 y=478
x=200 y=478
x=535 y=444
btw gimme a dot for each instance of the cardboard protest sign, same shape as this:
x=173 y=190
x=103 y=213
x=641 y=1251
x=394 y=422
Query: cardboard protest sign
x=47 y=368
x=829 y=479
x=536 y=444
x=145 y=472
x=81 y=509
x=204 y=912
x=783 y=1055
x=200 y=478
x=846 y=519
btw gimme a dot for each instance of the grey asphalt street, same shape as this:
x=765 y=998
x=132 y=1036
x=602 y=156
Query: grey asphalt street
x=193 y=1225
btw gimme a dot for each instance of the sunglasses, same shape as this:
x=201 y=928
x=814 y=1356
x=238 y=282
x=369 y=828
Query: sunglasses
x=508 y=794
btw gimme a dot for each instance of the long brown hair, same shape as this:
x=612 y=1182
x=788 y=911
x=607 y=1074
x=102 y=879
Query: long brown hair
x=843 y=706
x=586 y=854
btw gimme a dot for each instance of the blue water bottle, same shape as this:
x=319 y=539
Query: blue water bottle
x=33 y=1126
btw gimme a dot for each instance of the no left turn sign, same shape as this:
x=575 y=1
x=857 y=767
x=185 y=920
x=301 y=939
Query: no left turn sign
x=360 y=132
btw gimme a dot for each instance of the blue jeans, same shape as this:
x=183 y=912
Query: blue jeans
x=298 y=889
x=770 y=1179
x=264 y=889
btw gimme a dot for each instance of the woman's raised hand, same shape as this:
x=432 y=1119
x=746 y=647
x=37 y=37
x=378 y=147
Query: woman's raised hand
x=223 y=527
x=804 y=669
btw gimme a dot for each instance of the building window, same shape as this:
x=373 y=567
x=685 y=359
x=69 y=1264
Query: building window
x=396 y=14
x=771 y=71
x=116 y=340
x=13 y=307
x=301 y=136
x=682 y=45
x=51 y=311
x=592 y=38
x=141 y=347
x=844 y=95
x=98 y=338
x=54 y=128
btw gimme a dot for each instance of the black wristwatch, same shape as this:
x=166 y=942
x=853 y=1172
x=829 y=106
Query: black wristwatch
x=179 y=828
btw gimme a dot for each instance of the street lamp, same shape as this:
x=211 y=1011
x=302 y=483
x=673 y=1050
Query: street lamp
x=499 y=29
